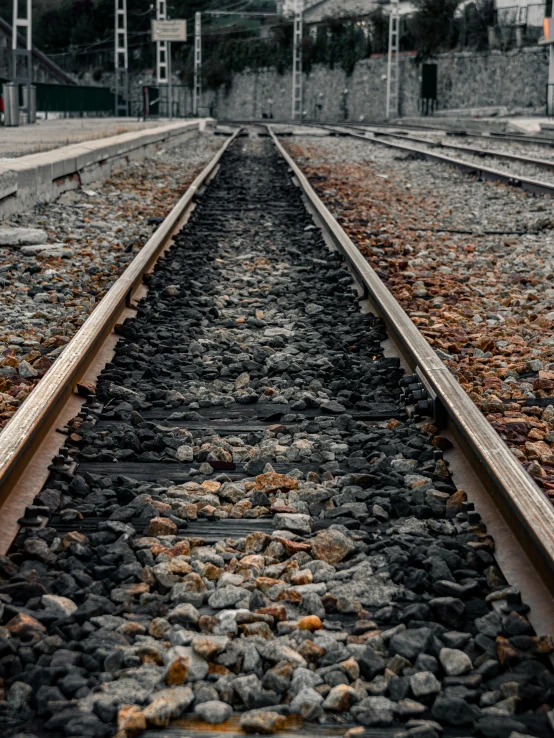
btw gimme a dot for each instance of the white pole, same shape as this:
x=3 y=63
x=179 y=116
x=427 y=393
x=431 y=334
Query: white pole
x=389 y=62
x=197 y=92
x=27 y=24
x=161 y=55
x=121 y=61
x=297 y=61
x=14 y=39
x=550 y=95
x=29 y=59
x=170 y=90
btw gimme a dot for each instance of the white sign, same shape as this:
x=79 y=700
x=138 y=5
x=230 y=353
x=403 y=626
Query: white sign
x=169 y=30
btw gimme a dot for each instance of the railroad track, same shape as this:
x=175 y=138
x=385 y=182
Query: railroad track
x=430 y=152
x=473 y=150
x=523 y=138
x=401 y=128
x=252 y=509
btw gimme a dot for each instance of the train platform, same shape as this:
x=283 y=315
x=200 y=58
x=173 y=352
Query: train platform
x=46 y=135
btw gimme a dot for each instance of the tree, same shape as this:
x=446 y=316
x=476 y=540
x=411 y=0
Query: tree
x=478 y=18
x=379 y=30
x=433 y=26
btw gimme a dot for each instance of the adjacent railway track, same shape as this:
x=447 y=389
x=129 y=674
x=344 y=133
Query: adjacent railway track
x=431 y=153
x=474 y=151
x=246 y=515
x=523 y=138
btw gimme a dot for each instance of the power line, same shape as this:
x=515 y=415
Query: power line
x=236 y=7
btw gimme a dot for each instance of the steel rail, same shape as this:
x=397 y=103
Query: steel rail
x=524 y=138
x=522 y=507
x=540 y=163
x=535 y=186
x=399 y=126
x=22 y=436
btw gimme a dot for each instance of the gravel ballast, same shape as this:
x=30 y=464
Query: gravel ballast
x=471 y=263
x=239 y=540
x=58 y=261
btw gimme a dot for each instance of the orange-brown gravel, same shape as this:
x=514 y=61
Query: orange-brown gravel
x=483 y=301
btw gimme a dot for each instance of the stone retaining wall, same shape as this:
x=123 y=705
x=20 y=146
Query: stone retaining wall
x=470 y=79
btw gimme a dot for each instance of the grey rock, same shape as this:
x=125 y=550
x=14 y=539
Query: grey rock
x=183 y=614
x=227 y=597
x=198 y=667
x=19 y=694
x=61 y=606
x=424 y=683
x=168 y=704
x=214 y=711
x=411 y=642
x=301 y=524
x=306 y=696
x=454 y=711
x=490 y=624
x=455 y=662
x=302 y=679
x=20 y=236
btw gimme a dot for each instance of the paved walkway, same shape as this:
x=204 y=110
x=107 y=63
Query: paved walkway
x=46 y=135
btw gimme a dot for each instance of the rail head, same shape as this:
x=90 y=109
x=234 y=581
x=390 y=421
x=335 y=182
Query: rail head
x=34 y=419
x=524 y=506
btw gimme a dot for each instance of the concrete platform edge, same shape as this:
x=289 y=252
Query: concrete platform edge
x=40 y=178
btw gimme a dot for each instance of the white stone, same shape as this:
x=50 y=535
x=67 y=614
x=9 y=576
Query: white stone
x=454 y=661
x=424 y=683
x=61 y=606
x=184 y=454
x=47 y=249
x=213 y=711
x=20 y=236
x=296 y=523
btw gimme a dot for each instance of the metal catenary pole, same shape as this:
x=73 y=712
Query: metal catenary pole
x=297 y=61
x=197 y=93
x=161 y=54
x=121 y=59
x=392 y=63
x=23 y=25
x=548 y=38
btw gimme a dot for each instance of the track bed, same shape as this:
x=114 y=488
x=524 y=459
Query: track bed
x=246 y=520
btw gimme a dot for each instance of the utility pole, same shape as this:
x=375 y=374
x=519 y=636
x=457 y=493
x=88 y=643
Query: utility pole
x=197 y=93
x=297 y=61
x=392 y=63
x=25 y=75
x=121 y=59
x=161 y=54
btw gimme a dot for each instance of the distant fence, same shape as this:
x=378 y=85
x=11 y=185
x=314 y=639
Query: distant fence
x=144 y=101
x=73 y=99
x=155 y=103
